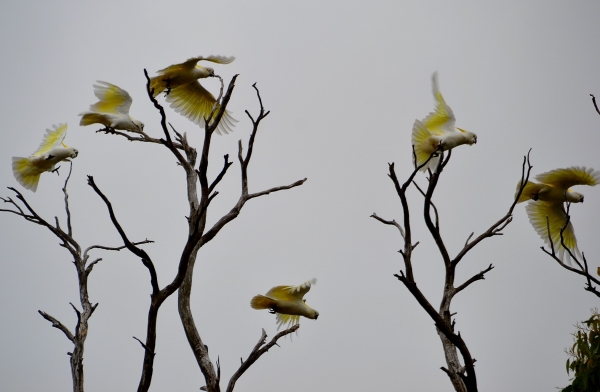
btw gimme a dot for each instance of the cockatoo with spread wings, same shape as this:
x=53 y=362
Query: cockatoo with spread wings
x=52 y=150
x=546 y=204
x=185 y=93
x=112 y=109
x=287 y=302
x=437 y=130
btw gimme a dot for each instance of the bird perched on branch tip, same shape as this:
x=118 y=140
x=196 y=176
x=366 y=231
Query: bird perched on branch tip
x=437 y=132
x=112 y=109
x=187 y=96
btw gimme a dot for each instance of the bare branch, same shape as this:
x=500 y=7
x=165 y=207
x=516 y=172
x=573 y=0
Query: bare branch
x=144 y=346
x=67 y=210
x=594 y=102
x=474 y=278
x=276 y=189
x=392 y=222
x=226 y=165
x=58 y=325
x=256 y=353
x=497 y=227
x=128 y=244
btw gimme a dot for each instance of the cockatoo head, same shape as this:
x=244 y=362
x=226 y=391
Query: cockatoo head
x=205 y=72
x=138 y=124
x=573 y=197
x=470 y=136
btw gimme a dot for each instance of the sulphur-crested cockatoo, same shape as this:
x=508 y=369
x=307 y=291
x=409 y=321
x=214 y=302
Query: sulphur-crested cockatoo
x=185 y=93
x=52 y=150
x=112 y=109
x=437 y=130
x=546 y=200
x=287 y=303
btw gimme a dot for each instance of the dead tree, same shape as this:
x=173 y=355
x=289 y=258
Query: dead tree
x=83 y=267
x=198 y=233
x=463 y=375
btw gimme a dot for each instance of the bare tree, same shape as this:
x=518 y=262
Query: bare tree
x=462 y=376
x=83 y=267
x=198 y=233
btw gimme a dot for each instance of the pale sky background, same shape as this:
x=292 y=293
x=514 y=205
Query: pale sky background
x=344 y=82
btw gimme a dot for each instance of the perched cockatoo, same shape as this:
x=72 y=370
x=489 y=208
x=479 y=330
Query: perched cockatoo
x=547 y=198
x=287 y=303
x=52 y=150
x=437 y=130
x=185 y=93
x=112 y=109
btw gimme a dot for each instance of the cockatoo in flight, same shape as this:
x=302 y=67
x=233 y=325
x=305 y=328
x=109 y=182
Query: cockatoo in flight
x=547 y=198
x=185 y=93
x=52 y=150
x=437 y=130
x=287 y=303
x=112 y=109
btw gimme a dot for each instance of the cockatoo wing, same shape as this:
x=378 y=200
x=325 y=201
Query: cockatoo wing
x=442 y=120
x=290 y=293
x=191 y=63
x=112 y=99
x=424 y=145
x=195 y=102
x=566 y=178
x=53 y=138
x=286 y=320
x=556 y=220
x=219 y=59
x=26 y=173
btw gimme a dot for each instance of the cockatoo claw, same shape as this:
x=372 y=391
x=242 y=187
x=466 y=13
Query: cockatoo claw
x=272 y=311
x=55 y=170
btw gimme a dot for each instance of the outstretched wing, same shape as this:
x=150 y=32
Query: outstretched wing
x=291 y=293
x=196 y=103
x=442 y=120
x=566 y=178
x=112 y=99
x=555 y=222
x=218 y=59
x=189 y=64
x=53 y=138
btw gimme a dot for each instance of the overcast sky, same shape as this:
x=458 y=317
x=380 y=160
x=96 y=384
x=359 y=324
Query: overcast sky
x=344 y=82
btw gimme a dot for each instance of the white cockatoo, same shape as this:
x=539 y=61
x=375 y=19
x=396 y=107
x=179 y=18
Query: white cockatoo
x=287 y=303
x=51 y=151
x=437 y=130
x=112 y=109
x=185 y=93
x=546 y=200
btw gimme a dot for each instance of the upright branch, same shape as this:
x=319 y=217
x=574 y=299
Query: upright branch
x=200 y=350
x=83 y=268
x=462 y=376
x=594 y=102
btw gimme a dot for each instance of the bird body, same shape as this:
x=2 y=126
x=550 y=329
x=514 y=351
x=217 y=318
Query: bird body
x=185 y=93
x=437 y=132
x=287 y=302
x=51 y=151
x=546 y=210
x=112 y=109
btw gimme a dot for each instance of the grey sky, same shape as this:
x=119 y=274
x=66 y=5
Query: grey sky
x=344 y=82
